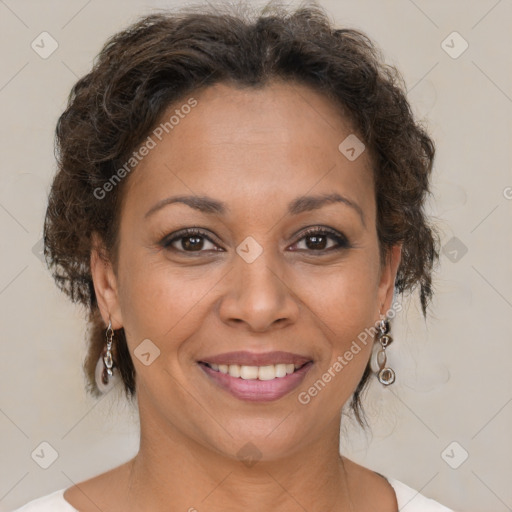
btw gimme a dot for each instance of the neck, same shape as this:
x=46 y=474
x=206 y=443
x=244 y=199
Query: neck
x=172 y=470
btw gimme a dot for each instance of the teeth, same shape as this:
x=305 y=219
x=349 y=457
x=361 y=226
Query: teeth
x=265 y=372
x=280 y=370
x=268 y=372
x=249 y=372
x=234 y=370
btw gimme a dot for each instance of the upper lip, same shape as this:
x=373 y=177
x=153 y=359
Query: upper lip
x=244 y=358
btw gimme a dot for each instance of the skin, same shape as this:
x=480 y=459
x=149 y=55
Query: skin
x=256 y=150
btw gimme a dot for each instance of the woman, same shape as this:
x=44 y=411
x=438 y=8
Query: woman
x=236 y=203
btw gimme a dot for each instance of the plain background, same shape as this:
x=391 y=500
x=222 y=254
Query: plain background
x=444 y=427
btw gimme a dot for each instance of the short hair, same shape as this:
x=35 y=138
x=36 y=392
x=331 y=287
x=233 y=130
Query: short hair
x=161 y=58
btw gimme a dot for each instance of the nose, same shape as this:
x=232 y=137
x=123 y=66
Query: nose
x=258 y=296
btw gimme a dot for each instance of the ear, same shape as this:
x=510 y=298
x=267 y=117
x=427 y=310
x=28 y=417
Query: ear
x=387 y=278
x=105 y=284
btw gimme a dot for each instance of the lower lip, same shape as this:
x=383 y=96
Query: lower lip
x=258 y=390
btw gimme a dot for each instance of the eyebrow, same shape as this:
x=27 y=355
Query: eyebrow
x=302 y=204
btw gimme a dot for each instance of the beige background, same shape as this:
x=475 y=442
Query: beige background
x=454 y=379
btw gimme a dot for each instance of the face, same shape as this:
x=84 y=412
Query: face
x=269 y=284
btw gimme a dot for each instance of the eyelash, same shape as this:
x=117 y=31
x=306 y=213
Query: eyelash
x=341 y=240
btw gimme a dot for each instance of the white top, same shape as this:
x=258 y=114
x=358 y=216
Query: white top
x=415 y=501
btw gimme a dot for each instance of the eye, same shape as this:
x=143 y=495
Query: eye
x=193 y=240
x=188 y=240
x=316 y=240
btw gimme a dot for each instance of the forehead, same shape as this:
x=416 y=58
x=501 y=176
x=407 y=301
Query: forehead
x=271 y=143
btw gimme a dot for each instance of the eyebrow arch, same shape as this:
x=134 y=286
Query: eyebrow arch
x=308 y=203
x=301 y=204
x=202 y=203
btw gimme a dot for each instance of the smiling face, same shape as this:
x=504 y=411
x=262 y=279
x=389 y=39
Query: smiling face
x=267 y=269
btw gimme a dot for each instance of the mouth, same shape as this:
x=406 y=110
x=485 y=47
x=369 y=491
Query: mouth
x=276 y=375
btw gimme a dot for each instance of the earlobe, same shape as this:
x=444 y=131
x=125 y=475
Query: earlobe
x=105 y=284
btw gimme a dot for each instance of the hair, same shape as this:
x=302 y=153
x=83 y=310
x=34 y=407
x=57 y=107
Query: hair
x=162 y=57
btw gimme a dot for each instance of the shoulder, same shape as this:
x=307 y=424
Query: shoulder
x=53 y=502
x=387 y=493
x=415 y=501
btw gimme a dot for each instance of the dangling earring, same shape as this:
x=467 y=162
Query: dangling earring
x=106 y=374
x=385 y=375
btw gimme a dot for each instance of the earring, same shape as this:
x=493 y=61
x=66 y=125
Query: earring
x=106 y=374
x=385 y=375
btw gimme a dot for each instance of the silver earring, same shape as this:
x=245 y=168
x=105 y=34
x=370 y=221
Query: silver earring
x=385 y=374
x=106 y=374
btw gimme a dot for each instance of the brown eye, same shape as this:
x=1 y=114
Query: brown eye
x=189 y=240
x=317 y=240
x=192 y=243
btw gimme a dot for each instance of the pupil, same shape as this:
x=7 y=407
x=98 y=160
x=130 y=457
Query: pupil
x=318 y=242
x=195 y=245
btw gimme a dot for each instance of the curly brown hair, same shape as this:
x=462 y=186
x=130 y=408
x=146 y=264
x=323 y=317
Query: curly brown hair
x=162 y=57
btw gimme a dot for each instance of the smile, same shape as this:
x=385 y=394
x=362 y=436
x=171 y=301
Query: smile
x=254 y=377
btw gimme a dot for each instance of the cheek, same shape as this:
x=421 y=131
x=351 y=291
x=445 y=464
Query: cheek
x=346 y=302
x=345 y=295
x=159 y=301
